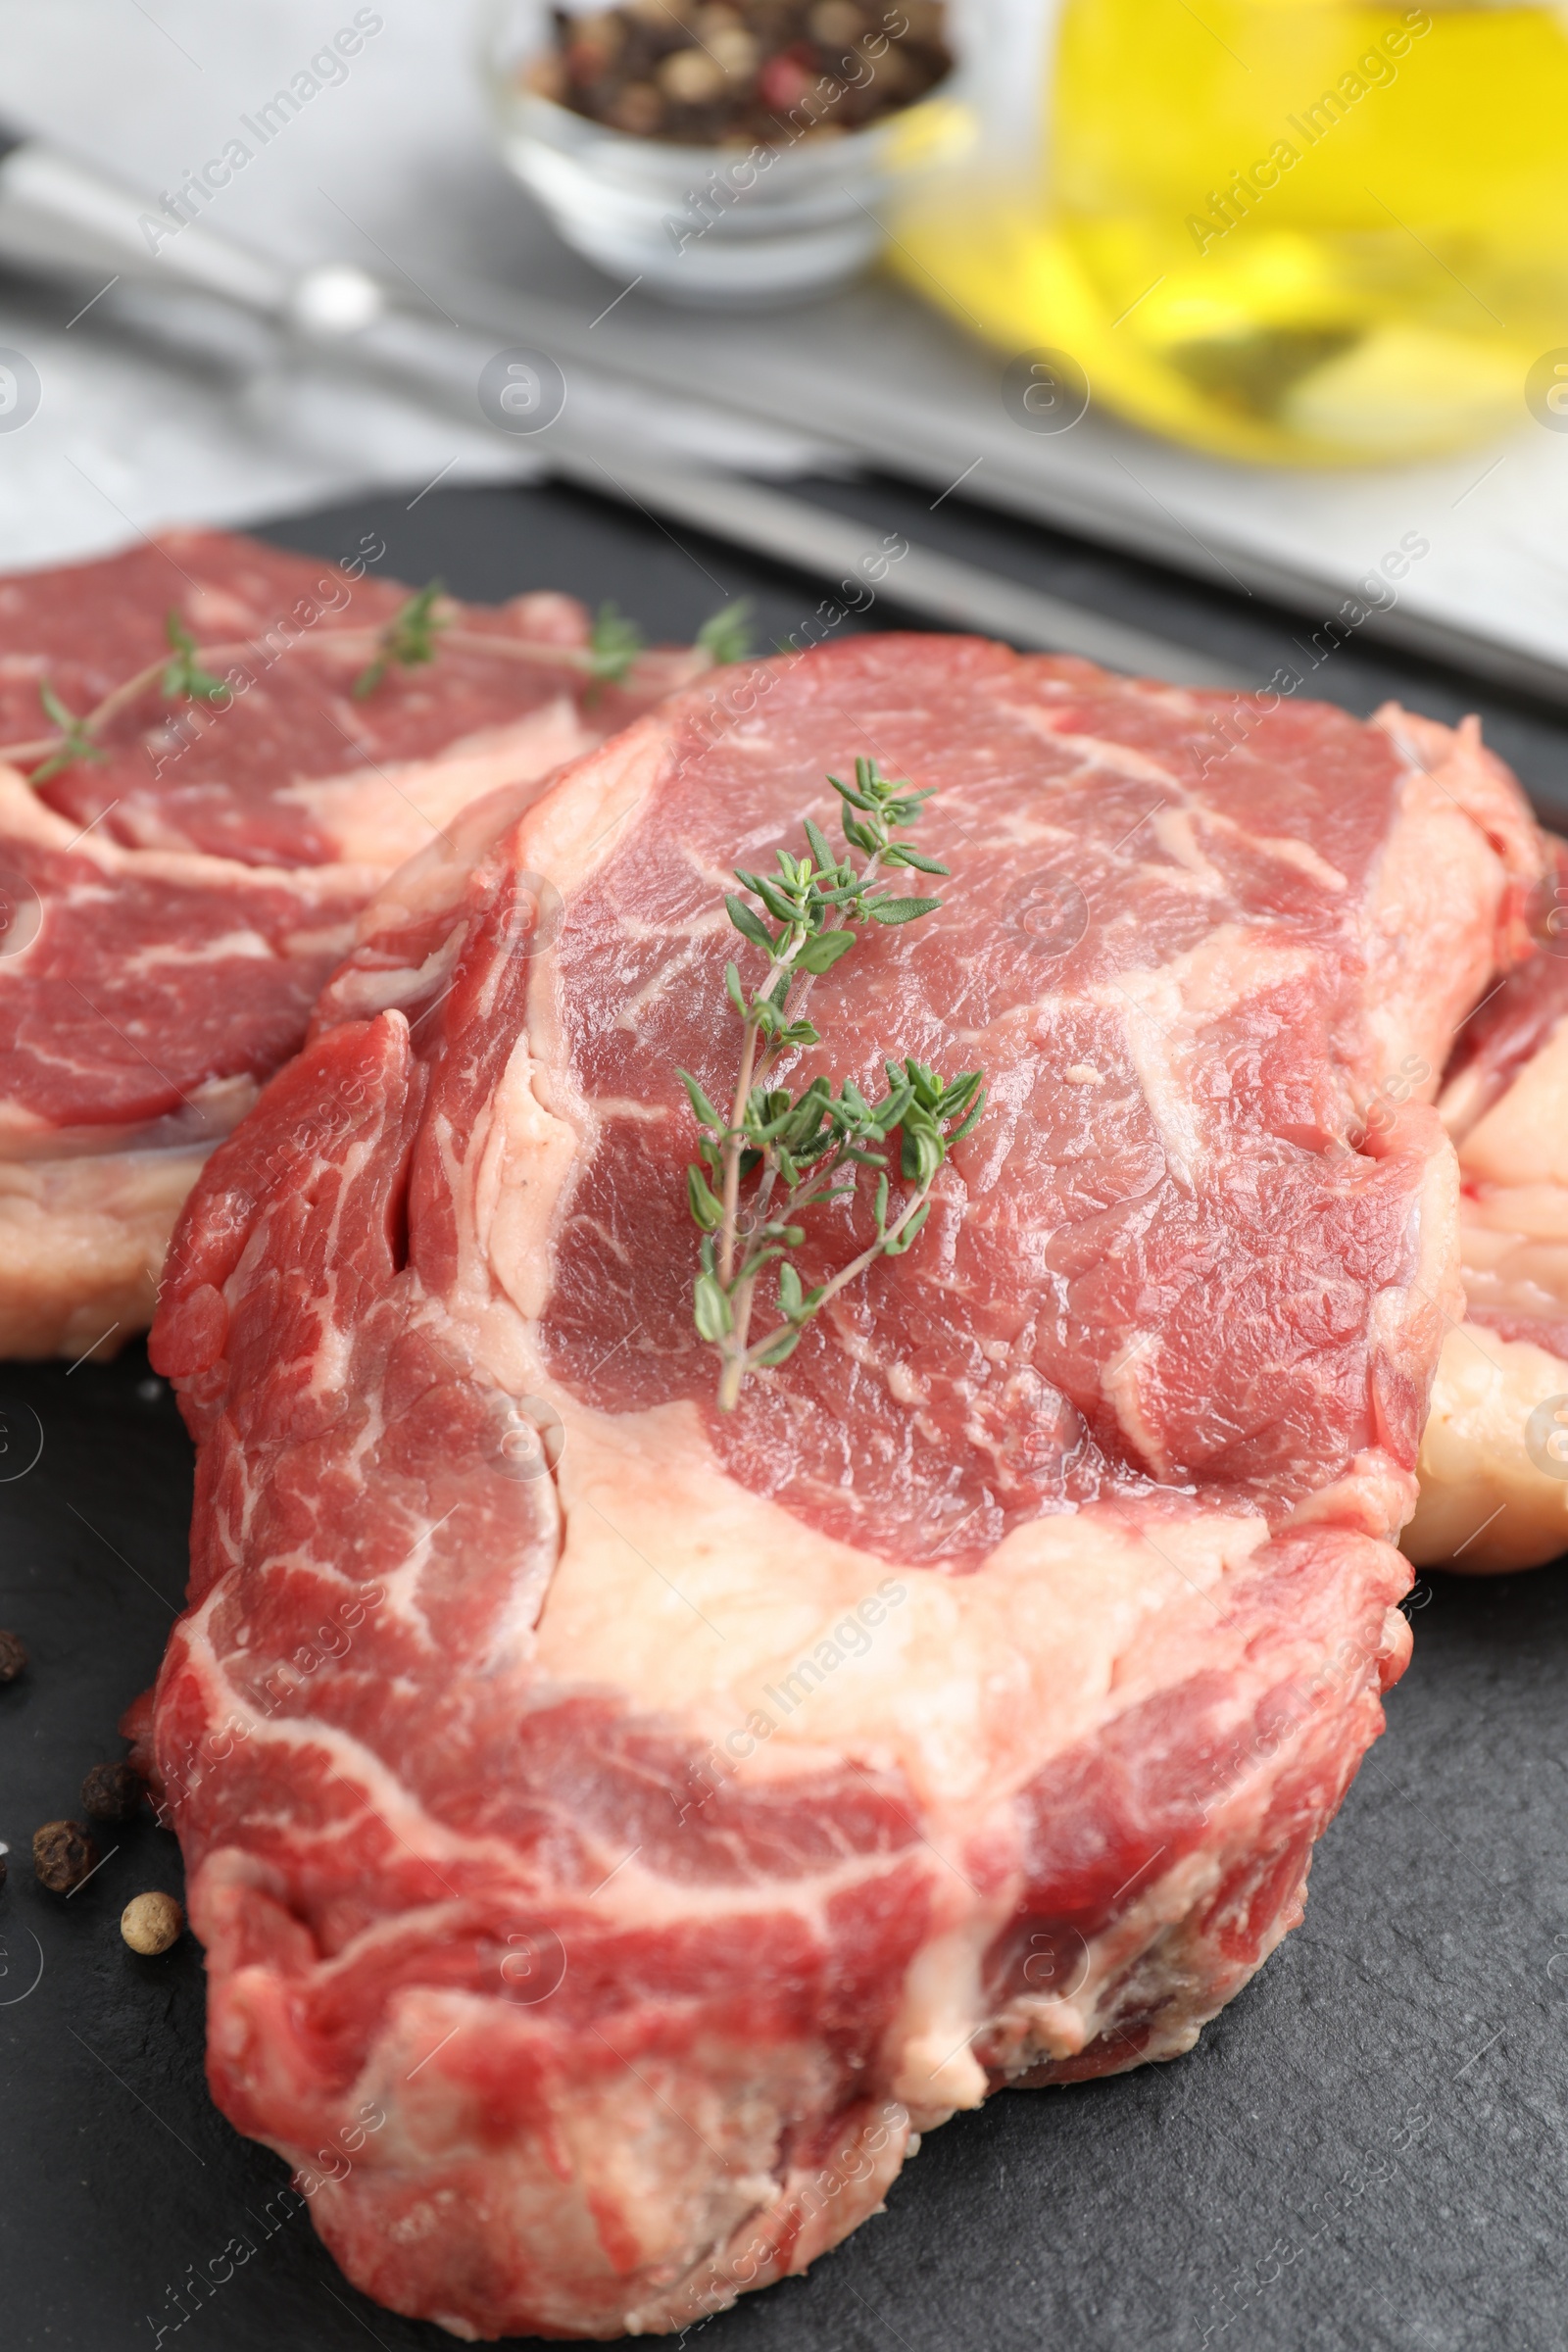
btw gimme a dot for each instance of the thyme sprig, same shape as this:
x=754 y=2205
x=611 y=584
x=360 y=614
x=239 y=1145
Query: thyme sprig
x=183 y=673
x=614 y=645
x=74 y=741
x=179 y=674
x=189 y=671
x=779 y=1155
x=408 y=640
x=726 y=636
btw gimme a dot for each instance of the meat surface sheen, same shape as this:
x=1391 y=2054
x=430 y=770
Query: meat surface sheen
x=1495 y=1452
x=657 y=1820
x=169 y=911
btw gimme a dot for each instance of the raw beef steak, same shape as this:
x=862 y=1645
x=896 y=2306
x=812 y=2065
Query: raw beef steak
x=151 y=993
x=171 y=908
x=1495 y=1452
x=617 y=1829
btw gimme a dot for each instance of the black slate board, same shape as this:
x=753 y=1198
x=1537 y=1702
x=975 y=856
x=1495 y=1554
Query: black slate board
x=1368 y=2149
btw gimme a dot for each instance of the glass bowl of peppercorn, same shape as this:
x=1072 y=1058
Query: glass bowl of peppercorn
x=724 y=152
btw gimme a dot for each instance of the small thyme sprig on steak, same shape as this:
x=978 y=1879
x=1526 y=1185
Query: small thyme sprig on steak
x=408 y=639
x=74 y=741
x=184 y=675
x=614 y=642
x=727 y=635
x=780 y=1155
x=179 y=676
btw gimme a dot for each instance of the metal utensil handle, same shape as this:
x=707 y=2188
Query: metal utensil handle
x=64 y=216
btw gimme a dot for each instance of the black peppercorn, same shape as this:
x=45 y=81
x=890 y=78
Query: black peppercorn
x=63 y=1854
x=12 y=1657
x=111 y=1792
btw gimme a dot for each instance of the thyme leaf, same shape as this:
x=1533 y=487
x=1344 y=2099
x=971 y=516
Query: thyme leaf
x=408 y=639
x=183 y=677
x=614 y=645
x=901 y=910
x=74 y=741
x=726 y=636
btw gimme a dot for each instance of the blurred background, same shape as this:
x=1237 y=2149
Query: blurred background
x=1270 y=293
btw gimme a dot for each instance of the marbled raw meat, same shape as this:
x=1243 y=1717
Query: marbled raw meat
x=659 y=1819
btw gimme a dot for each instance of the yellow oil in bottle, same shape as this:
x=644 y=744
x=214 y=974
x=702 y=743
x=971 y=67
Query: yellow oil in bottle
x=1291 y=230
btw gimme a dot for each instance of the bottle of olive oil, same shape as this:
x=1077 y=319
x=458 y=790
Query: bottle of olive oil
x=1291 y=230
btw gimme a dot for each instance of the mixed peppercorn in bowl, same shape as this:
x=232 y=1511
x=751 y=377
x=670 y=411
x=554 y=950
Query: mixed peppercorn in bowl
x=735 y=71
x=724 y=151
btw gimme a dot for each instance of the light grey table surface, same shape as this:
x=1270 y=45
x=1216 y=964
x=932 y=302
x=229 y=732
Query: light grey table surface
x=394 y=167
